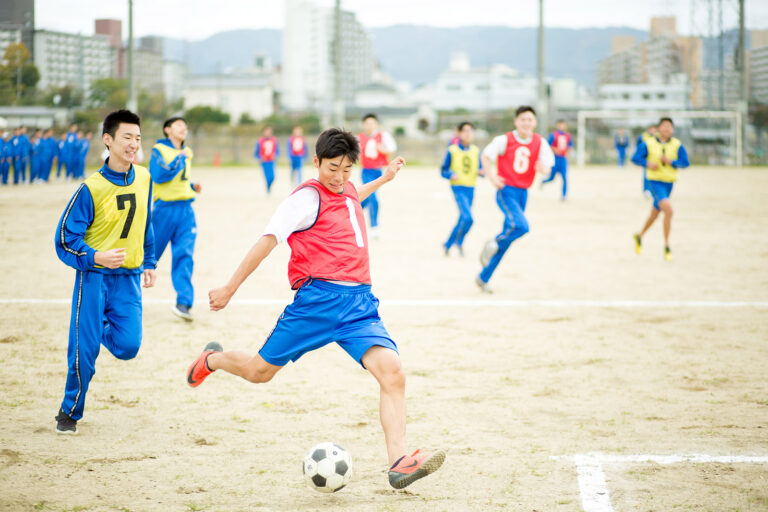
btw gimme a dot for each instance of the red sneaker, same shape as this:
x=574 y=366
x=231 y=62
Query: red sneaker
x=199 y=370
x=410 y=468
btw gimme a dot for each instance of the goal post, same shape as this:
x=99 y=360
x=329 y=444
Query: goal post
x=643 y=118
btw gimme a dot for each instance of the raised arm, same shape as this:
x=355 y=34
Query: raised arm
x=219 y=297
x=389 y=174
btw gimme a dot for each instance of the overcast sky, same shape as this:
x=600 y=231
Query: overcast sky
x=198 y=19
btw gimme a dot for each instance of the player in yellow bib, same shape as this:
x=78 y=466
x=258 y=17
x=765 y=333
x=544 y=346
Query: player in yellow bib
x=106 y=235
x=173 y=218
x=462 y=166
x=662 y=156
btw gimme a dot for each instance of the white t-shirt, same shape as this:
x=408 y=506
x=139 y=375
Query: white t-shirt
x=498 y=146
x=387 y=142
x=298 y=211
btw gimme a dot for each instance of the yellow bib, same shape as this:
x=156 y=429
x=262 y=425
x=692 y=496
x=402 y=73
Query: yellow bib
x=119 y=215
x=464 y=163
x=178 y=188
x=656 y=149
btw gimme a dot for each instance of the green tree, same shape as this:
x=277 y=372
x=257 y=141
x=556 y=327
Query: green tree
x=110 y=93
x=205 y=114
x=245 y=118
x=20 y=71
x=68 y=97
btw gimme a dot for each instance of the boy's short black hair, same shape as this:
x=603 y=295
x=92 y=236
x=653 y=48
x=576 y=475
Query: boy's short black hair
x=666 y=119
x=370 y=115
x=463 y=124
x=334 y=142
x=113 y=120
x=168 y=122
x=523 y=109
x=560 y=121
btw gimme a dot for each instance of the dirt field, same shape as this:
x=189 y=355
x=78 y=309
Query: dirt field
x=557 y=362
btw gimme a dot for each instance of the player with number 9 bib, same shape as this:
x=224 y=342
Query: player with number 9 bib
x=323 y=223
x=106 y=234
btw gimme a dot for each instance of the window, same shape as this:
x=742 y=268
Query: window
x=646 y=96
x=661 y=96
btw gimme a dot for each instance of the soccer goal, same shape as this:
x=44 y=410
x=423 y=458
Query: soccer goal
x=711 y=137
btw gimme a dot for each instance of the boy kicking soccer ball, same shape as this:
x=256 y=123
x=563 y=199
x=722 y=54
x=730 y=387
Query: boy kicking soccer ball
x=323 y=223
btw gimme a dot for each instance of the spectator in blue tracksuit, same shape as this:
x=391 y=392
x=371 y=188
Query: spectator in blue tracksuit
x=6 y=155
x=296 y=149
x=60 y=156
x=35 y=156
x=621 y=143
x=83 y=145
x=20 y=154
x=173 y=219
x=51 y=149
x=70 y=142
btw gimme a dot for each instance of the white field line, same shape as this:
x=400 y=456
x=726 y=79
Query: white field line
x=631 y=304
x=591 y=477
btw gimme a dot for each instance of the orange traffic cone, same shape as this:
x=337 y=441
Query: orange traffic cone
x=216 y=159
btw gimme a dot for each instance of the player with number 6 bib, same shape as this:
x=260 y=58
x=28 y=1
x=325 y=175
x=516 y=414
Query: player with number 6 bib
x=106 y=235
x=519 y=156
x=173 y=218
x=323 y=223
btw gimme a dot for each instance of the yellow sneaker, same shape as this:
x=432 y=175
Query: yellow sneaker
x=638 y=244
x=667 y=254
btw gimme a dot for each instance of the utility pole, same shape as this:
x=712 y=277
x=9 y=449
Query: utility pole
x=338 y=101
x=542 y=93
x=741 y=65
x=132 y=103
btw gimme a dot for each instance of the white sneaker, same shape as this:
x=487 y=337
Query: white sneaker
x=490 y=248
x=483 y=285
x=182 y=311
x=374 y=233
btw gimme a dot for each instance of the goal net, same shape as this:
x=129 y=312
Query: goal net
x=710 y=137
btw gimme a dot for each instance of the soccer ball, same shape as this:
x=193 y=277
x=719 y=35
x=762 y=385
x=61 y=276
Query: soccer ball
x=327 y=467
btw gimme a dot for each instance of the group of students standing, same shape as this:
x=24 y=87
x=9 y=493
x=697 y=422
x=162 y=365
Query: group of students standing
x=38 y=152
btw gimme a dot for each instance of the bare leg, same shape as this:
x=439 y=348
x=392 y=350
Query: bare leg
x=251 y=368
x=649 y=222
x=384 y=365
x=666 y=207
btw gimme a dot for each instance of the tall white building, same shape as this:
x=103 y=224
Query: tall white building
x=307 y=67
x=71 y=59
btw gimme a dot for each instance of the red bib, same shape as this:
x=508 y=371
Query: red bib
x=335 y=247
x=297 y=146
x=560 y=143
x=370 y=158
x=517 y=166
x=267 y=146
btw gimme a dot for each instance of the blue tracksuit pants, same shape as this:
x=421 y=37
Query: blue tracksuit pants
x=621 y=156
x=372 y=201
x=4 y=168
x=464 y=196
x=512 y=202
x=269 y=173
x=561 y=168
x=174 y=222
x=106 y=310
x=297 y=163
x=19 y=170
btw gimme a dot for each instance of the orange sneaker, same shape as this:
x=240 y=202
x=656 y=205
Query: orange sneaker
x=410 y=468
x=199 y=370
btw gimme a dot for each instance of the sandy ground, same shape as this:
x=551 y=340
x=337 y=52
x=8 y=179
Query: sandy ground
x=501 y=389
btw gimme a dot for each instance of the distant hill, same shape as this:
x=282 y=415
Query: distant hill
x=417 y=54
x=231 y=49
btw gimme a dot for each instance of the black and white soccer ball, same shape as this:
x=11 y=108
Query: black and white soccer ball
x=327 y=467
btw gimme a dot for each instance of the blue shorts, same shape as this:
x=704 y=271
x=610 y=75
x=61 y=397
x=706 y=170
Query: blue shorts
x=660 y=190
x=321 y=313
